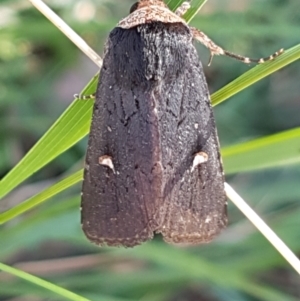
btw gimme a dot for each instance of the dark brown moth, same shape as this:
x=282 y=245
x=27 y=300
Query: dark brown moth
x=153 y=163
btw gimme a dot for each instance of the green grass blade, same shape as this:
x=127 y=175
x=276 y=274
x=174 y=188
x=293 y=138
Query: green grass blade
x=71 y=127
x=256 y=74
x=275 y=150
x=41 y=197
x=43 y=283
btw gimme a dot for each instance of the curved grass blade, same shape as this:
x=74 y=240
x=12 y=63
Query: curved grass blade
x=71 y=127
x=275 y=150
x=41 y=197
x=42 y=283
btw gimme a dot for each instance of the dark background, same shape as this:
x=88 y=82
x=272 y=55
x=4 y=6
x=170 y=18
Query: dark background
x=41 y=70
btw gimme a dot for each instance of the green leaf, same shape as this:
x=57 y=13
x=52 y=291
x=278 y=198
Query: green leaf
x=275 y=150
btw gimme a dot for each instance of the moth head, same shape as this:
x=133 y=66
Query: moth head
x=145 y=3
x=148 y=11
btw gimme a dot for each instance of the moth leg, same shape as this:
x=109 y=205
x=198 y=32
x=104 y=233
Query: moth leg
x=182 y=9
x=85 y=97
x=217 y=50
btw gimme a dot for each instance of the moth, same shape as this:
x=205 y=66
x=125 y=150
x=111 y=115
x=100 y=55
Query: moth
x=153 y=162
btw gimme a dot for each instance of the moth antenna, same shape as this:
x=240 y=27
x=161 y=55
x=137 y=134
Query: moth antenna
x=250 y=60
x=217 y=50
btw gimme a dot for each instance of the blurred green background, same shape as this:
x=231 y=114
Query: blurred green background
x=41 y=70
